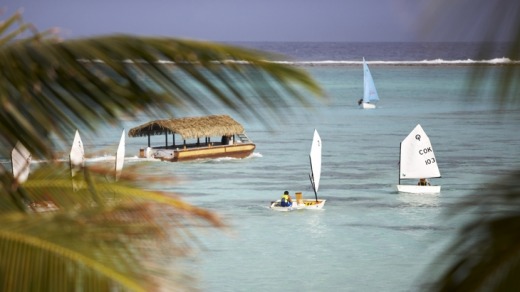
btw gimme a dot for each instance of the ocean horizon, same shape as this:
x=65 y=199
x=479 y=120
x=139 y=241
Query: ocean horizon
x=387 y=53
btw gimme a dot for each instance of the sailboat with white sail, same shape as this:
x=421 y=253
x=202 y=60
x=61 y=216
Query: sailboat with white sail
x=120 y=156
x=20 y=161
x=370 y=96
x=77 y=162
x=417 y=161
x=314 y=176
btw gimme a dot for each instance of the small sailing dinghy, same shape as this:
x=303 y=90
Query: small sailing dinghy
x=417 y=161
x=120 y=156
x=315 y=175
x=77 y=162
x=20 y=161
x=370 y=96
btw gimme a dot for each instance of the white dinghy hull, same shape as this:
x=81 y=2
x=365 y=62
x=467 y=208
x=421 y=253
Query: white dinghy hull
x=310 y=204
x=366 y=105
x=307 y=204
x=413 y=189
x=277 y=207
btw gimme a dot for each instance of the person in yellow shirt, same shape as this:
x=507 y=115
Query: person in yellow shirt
x=286 y=200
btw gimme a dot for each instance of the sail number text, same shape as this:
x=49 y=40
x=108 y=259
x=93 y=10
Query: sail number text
x=425 y=151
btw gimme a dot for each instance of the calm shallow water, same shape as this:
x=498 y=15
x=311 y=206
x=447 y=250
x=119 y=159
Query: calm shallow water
x=369 y=237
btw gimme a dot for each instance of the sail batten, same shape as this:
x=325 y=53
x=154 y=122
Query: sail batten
x=417 y=159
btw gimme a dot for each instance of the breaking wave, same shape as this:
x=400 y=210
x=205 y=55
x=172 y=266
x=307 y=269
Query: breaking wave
x=495 y=61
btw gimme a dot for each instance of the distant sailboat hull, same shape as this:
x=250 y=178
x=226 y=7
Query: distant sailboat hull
x=414 y=189
x=366 y=105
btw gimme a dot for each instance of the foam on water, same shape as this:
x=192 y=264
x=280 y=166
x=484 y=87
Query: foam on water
x=495 y=61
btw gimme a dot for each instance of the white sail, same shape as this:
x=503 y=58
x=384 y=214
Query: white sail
x=369 y=90
x=417 y=157
x=77 y=160
x=120 y=156
x=20 y=160
x=77 y=153
x=314 y=175
x=315 y=159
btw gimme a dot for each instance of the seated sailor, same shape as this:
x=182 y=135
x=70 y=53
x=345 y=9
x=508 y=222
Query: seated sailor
x=286 y=200
x=423 y=182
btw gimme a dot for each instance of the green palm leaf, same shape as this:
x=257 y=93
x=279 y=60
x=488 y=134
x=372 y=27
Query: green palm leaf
x=109 y=237
x=112 y=236
x=84 y=83
x=487 y=249
x=485 y=255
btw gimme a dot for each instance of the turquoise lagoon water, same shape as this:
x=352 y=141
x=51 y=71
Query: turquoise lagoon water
x=368 y=237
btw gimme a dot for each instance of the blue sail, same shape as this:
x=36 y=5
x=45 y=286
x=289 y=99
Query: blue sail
x=369 y=91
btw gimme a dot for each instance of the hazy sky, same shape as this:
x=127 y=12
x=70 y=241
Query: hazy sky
x=261 y=20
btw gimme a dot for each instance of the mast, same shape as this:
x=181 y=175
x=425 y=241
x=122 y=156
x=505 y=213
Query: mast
x=399 y=173
x=311 y=177
x=365 y=83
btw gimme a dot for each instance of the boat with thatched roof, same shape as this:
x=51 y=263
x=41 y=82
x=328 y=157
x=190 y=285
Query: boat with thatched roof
x=196 y=133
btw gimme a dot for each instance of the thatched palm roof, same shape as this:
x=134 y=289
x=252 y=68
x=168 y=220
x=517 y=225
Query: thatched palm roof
x=189 y=128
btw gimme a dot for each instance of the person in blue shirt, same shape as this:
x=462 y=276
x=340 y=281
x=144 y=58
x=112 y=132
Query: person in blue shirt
x=286 y=200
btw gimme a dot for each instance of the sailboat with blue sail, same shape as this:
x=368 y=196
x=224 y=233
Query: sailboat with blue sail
x=370 y=96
